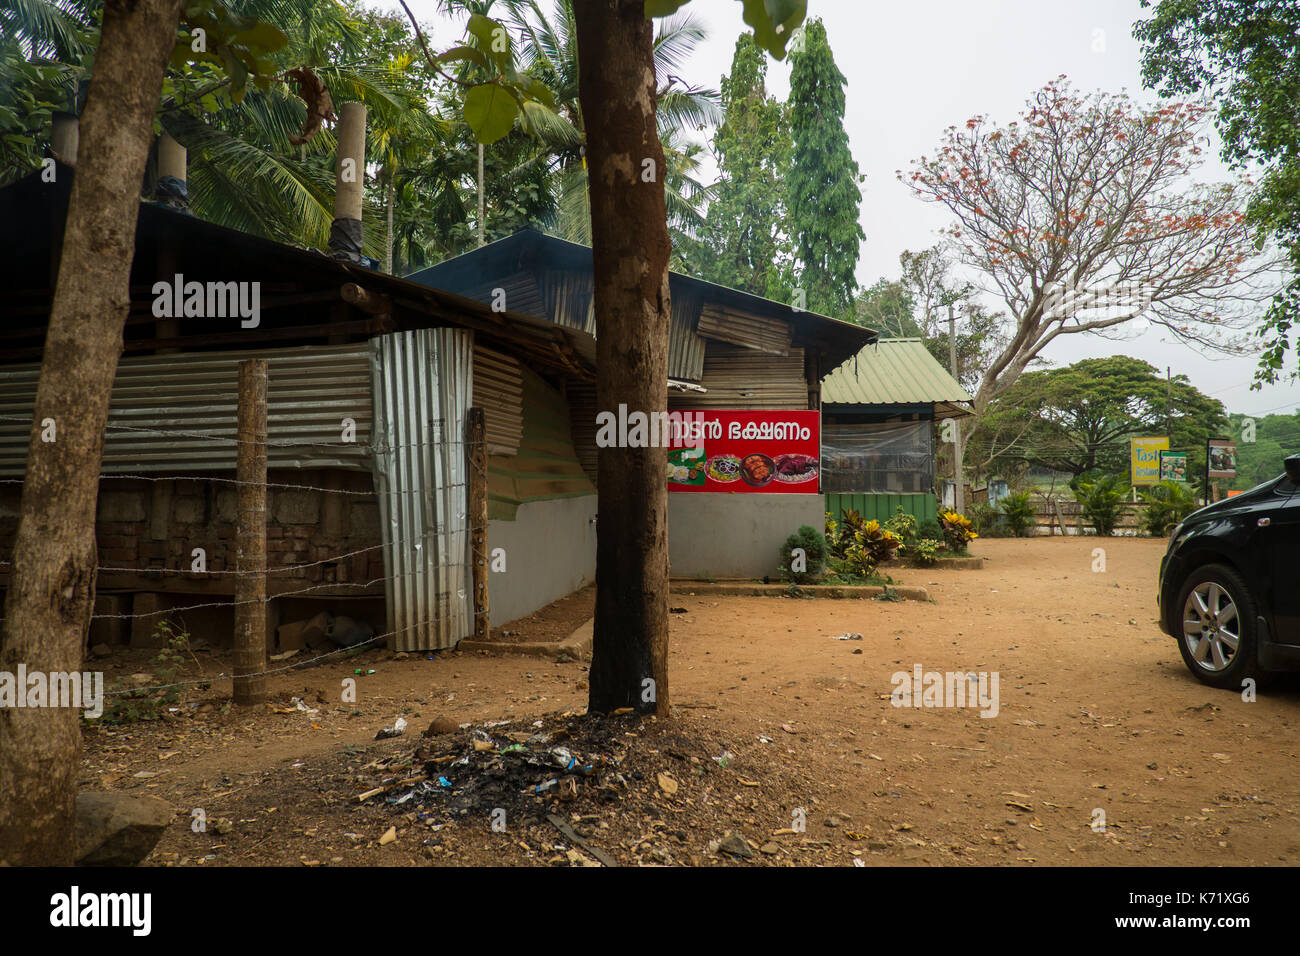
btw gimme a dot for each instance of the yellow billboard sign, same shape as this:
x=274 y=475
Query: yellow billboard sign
x=1144 y=459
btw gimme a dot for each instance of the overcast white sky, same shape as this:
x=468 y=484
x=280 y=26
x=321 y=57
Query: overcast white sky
x=914 y=69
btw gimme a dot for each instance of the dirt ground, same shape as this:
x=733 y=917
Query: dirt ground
x=773 y=718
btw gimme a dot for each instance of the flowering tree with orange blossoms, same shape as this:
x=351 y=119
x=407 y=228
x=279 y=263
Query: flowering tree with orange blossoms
x=1082 y=216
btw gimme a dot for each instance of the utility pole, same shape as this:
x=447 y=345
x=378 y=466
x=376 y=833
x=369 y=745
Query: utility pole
x=1169 y=402
x=959 y=492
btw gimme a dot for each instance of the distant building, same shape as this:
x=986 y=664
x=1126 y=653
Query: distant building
x=880 y=413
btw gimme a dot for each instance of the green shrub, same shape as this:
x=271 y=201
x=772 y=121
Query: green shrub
x=986 y=520
x=925 y=551
x=872 y=545
x=813 y=543
x=929 y=528
x=903 y=525
x=126 y=702
x=957 y=531
x=1019 y=512
x=833 y=536
x=1102 y=499
x=1168 y=503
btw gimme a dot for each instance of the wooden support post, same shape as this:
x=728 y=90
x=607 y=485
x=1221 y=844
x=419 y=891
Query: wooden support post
x=250 y=536
x=476 y=455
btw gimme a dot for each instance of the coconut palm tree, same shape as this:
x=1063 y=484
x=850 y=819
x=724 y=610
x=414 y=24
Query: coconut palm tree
x=549 y=49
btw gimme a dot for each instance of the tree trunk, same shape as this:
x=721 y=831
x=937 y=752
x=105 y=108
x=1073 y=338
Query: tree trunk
x=480 y=195
x=630 y=251
x=388 y=238
x=51 y=590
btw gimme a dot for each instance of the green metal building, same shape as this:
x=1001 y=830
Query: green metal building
x=879 y=415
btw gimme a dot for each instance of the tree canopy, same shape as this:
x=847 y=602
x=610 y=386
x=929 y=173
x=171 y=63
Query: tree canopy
x=823 y=182
x=1244 y=57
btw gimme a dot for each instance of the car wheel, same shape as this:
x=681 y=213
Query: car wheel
x=1216 y=627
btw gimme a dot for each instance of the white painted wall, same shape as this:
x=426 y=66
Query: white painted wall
x=550 y=551
x=736 y=535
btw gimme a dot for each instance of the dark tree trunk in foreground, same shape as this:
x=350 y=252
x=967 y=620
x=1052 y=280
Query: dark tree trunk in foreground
x=630 y=251
x=51 y=591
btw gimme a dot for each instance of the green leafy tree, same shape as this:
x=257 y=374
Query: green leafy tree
x=1080 y=418
x=889 y=307
x=1244 y=55
x=746 y=229
x=1276 y=437
x=548 y=49
x=823 y=183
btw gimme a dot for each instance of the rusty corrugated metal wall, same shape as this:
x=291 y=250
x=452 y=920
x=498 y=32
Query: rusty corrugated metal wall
x=499 y=391
x=177 y=413
x=422 y=383
x=738 y=377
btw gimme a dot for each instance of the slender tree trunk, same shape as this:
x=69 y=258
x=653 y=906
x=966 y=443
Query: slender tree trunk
x=51 y=590
x=481 y=203
x=388 y=240
x=630 y=252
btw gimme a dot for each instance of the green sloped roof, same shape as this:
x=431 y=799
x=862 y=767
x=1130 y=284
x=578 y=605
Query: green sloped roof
x=893 y=372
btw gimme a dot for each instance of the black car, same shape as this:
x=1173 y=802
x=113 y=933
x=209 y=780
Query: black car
x=1230 y=584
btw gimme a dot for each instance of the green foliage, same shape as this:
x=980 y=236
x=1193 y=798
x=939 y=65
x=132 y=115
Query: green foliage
x=823 y=183
x=870 y=546
x=888 y=308
x=1019 y=511
x=1080 y=417
x=929 y=528
x=985 y=519
x=957 y=531
x=833 y=536
x=744 y=233
x=1102 y=499
x=127 y=702
x=925 y=551
x=814 y=547
x=773 y=21
x=902 y=525
x=1168 y=503
x=1276 y=437
x=1245 y=58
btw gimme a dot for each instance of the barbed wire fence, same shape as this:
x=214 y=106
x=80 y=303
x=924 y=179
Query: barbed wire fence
x=461 y=542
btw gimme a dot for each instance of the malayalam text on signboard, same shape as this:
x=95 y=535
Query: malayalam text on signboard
x=747 y=451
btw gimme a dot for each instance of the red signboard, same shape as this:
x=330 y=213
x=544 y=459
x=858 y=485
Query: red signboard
x=773 y=452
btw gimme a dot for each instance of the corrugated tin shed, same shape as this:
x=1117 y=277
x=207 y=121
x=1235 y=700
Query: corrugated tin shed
x=551 y=278
x=896 y=372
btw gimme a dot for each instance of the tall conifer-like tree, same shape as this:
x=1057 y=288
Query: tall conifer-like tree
x=823 y=181
x=746 y=227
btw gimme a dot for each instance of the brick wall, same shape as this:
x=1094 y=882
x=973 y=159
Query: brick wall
x=157 y=524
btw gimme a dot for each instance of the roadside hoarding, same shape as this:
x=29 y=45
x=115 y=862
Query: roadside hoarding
x=748 y=451
x=1144 y=458
x=1173 y=466
x=1221 y=458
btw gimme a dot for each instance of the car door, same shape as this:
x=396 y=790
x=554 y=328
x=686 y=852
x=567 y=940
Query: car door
x=1279 y=536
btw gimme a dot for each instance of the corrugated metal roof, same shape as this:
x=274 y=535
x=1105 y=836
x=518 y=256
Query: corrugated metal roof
x=530 y=250
x=892 y=372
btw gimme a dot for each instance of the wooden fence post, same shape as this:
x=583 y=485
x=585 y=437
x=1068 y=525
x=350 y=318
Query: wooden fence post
x=476 y=454
x=250 y=536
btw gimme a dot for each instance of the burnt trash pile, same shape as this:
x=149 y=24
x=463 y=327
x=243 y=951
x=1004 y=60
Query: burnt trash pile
x=516 y=766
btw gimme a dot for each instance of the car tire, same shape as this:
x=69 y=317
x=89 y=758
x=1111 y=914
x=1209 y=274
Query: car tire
x=1243 y=663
